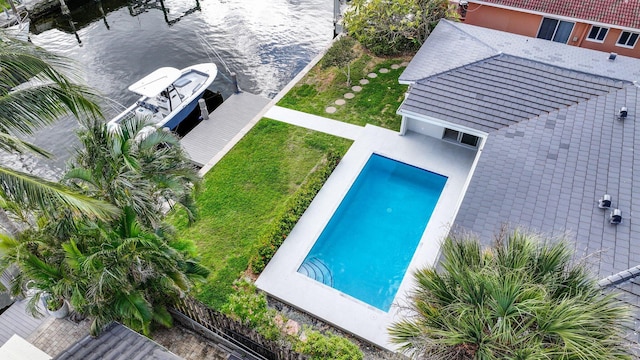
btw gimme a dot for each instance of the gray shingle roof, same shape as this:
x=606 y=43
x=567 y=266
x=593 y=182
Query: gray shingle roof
x=437 y=55
x=117 y=343
x=549 y=171
x=554 y=143
x=502 y=90
x=626 y=286
x=454 y=44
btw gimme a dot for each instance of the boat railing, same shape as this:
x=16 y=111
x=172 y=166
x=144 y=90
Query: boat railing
x=125 y=115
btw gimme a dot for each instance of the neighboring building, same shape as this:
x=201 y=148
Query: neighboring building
x=604 y=25
x=117 y=342
x=547 y=121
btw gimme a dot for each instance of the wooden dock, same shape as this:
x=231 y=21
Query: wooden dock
x=211 y=136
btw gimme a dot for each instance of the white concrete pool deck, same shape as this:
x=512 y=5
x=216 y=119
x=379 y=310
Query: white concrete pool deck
x=280 y=278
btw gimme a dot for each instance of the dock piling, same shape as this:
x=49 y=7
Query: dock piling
x=64 y=8
x=204 y=112
x=234 y=79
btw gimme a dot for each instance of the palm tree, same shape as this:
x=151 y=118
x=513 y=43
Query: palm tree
x=129 y=274
x=520 y=299
x=110 y=272
x=35 y=91
x=133 y=166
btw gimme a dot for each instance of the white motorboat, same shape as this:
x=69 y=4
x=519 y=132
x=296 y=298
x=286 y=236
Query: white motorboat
x=19 y=29
x=168 y=95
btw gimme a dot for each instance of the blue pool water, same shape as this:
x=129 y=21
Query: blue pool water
x=365 y=249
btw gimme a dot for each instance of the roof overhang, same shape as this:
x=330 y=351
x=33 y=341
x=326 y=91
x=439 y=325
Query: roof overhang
x=443 y=123
x=153 y=84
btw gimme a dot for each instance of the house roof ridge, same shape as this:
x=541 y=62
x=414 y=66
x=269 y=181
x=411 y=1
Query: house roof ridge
x=574 y=58
x=501 y=54
x=436 y=75
x=469 y=48
x=453 y=25
x=570 y=69
x=620 y=277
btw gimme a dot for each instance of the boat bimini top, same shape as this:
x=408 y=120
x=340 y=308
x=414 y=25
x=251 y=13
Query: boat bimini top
x=154 y=83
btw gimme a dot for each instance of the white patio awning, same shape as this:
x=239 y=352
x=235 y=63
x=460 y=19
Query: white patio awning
x=153 y=84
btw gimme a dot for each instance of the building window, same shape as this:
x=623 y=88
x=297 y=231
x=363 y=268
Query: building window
x=627 y=39
x=460 y=137
x=469 y=140
x=450 y=134
x=555 y=30
x=597 y=33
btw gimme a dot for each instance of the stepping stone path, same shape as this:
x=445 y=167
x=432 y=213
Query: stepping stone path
x=356 y=88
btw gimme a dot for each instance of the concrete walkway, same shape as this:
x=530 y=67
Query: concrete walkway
x=315 y=122
x=56 y=335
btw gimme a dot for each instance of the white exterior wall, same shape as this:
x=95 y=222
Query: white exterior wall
x=424 y=128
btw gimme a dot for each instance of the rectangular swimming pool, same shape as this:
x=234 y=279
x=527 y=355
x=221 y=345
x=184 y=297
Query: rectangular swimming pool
x=366 y=247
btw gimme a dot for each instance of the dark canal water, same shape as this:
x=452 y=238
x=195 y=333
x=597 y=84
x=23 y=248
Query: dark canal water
x=266 y=42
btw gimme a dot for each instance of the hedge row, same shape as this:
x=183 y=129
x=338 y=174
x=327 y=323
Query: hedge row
x=284 y=222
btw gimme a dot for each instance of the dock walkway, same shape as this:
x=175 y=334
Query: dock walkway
x=227 y=121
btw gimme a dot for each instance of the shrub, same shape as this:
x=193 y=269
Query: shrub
x=330 y=346
x=274 y=236
x=249 y=306
x=340 y=55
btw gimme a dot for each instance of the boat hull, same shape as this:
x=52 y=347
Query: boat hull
x=180 y=116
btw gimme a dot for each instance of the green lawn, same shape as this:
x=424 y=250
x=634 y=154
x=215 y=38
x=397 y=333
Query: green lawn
x=241 y=194
x=376 y=104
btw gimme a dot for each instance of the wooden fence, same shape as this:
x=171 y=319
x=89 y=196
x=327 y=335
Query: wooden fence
x=236 y=332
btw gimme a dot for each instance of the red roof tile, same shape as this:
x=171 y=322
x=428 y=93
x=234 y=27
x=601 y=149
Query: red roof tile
x=624 y=13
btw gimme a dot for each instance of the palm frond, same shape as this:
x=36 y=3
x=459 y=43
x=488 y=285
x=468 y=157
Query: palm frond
x=521 y=299
x=33 y=191
x=10 y=143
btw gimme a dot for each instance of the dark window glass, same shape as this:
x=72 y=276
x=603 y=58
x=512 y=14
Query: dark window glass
x=469 y=139
x=547 y=28
x=628 y=39
x=624 y=37
x=563 y=32
x=602 y=34
x=597 y=33
x=450 y=134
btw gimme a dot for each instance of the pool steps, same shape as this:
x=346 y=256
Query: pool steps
x=317 y=270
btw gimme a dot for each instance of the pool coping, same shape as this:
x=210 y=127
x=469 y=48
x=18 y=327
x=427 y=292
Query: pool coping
x=280 y=278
